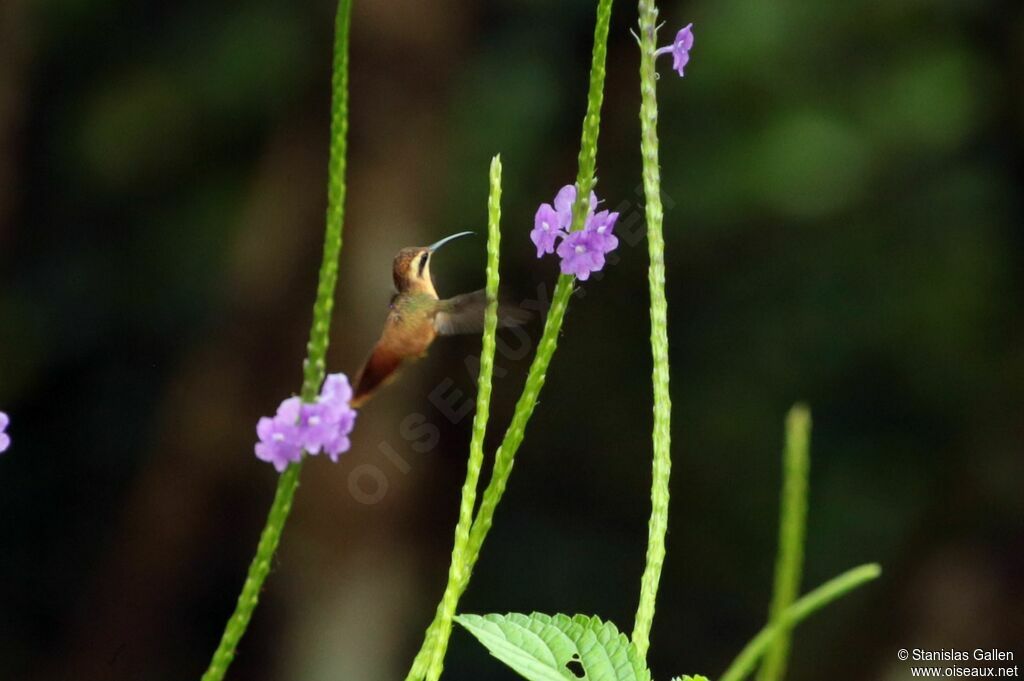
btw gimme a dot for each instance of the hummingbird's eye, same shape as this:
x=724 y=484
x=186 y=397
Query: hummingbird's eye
x=423 y=262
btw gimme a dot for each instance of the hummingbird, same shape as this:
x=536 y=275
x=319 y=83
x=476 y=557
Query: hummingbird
x=417 y=316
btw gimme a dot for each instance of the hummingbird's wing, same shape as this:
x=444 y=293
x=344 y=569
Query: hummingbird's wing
x=465 y=314
x=380 y=368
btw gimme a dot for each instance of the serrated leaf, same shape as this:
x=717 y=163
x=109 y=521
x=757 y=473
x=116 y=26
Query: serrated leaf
x=558 y=648
x=685 y=677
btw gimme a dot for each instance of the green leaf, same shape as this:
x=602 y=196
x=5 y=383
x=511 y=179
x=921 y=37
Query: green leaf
x=558 y=648
x=685 y=677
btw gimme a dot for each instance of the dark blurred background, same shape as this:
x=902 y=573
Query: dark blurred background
x=843 y=226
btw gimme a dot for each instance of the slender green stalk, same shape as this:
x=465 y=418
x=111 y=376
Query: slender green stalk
x=792 y=527
x=503 y=463
x=505 y=457
x=258 y=571
x=458 y=571
x=314 y=366
x=587 y=159
x=662 y=462
x=835 y=588
x=437 y=634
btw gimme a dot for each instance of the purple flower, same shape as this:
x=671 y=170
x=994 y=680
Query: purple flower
x=581 y=254
x=564 y=201
x=5 y=439
x=321 y=426
x=336 y=390
x=680 y=49
x=547 y=227
x=583 y=251
x=280 y=438
x=315 y=427
x=339 y=442
x=601 y=225
x=336 y=417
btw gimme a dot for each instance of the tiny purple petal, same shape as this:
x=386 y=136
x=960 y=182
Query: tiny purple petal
x=580 y=255
x=684 y=38
x=265 y=428
x=5 y=439
x=342 y=417
x=679 y=61
x=680 y=49
x=315 y=427
x=326 y=424
x=601 y=225
x=336 y=390
x=288 y=412
x=339 y=441
x=280 y=439
x=546 y=229
x=564 y=201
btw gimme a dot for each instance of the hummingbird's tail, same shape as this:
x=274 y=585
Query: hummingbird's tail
x=380 y=369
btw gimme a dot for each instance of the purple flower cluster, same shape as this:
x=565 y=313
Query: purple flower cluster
x=5 y=439
x=679 y=49
x=321 y=426
x=582 y=251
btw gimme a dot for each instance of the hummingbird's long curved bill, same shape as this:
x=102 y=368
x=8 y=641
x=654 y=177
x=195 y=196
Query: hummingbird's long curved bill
x=437 y=244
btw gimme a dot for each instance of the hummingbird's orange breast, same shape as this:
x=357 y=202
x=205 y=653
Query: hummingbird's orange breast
x=401 y=341
x=409 y=340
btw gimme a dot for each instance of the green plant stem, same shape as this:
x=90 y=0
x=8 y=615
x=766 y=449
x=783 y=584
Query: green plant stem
x=792 y=528
x=314 y=367
x=505 y=457
x=258 y=571
x=835 y=588
x=587 y=160
x=458 y=570
x=662 y=461
x=437 y=635
x=503 y=463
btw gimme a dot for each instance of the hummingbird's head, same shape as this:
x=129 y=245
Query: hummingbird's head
x=411 y=269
